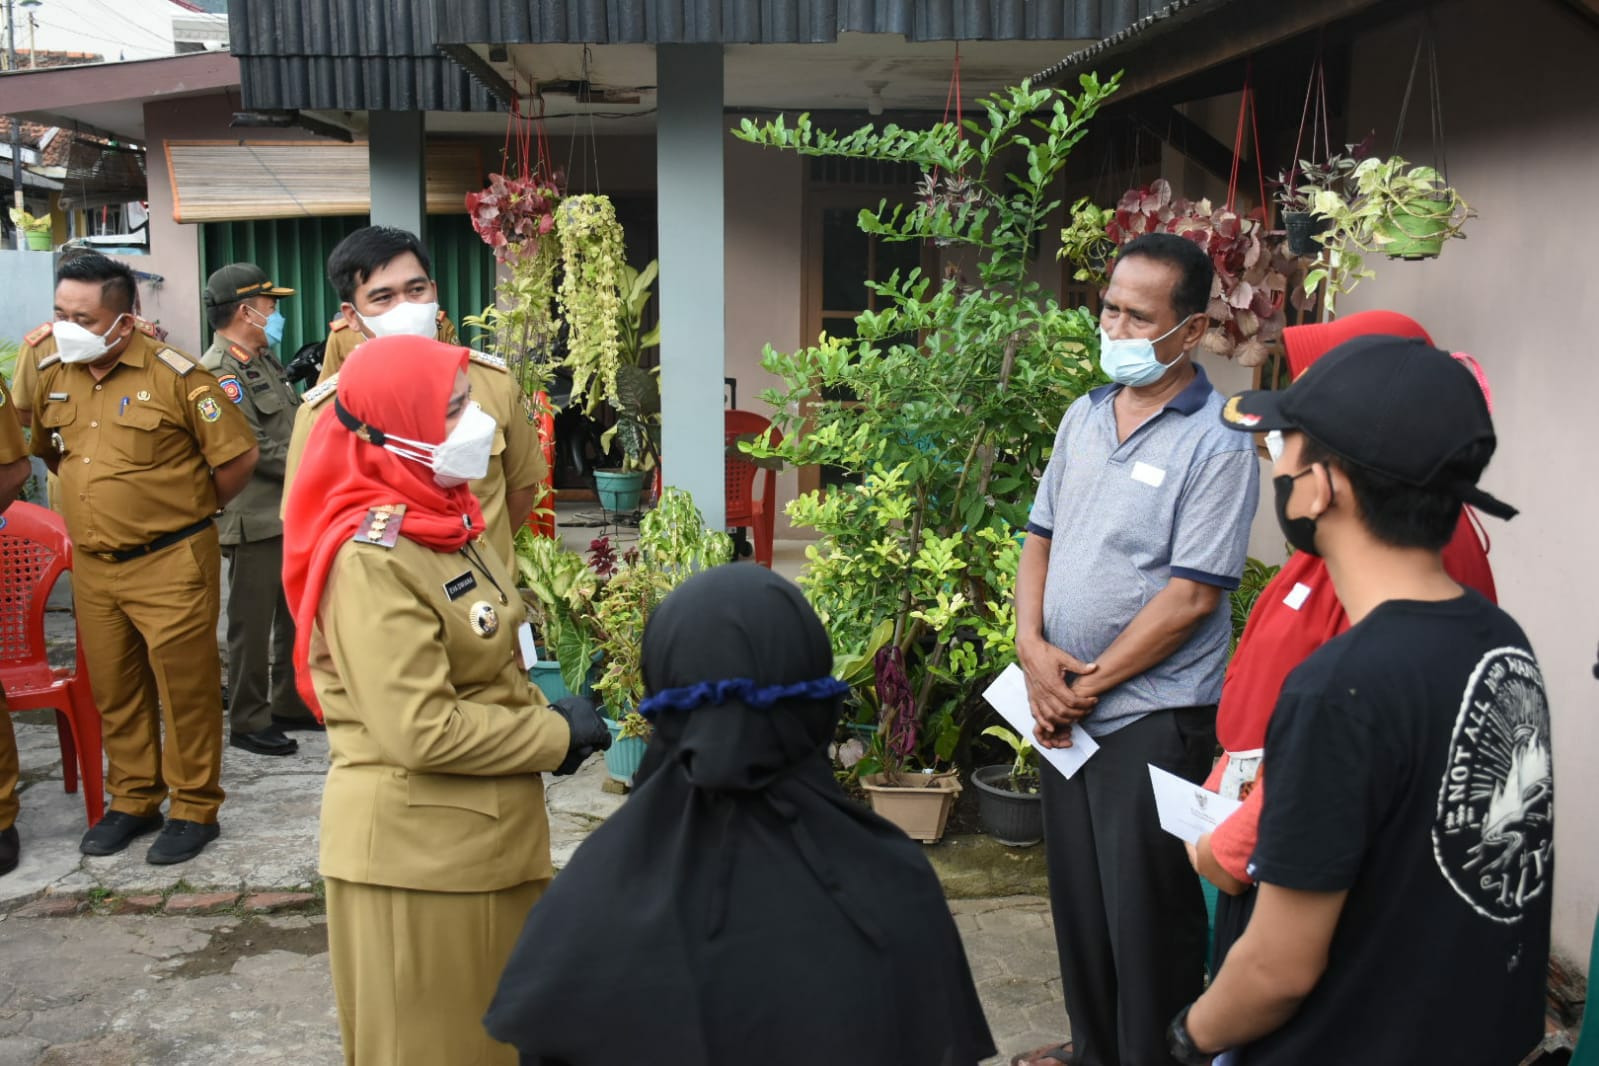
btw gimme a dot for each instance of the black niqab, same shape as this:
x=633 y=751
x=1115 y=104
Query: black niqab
x=740 y=907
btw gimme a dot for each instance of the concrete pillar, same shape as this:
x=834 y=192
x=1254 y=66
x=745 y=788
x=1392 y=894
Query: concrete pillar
x=397 y=160
x=689 y=129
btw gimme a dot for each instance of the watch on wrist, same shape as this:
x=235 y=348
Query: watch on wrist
x=1181 y=1044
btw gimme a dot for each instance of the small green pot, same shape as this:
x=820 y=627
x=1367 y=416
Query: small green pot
x=546 y=674
x=1415 y=230
x=619 y=490
x=622 y=758
x=39 y=240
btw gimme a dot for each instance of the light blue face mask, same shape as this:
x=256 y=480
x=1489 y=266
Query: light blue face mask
x=1131 y=360
x=273 y=325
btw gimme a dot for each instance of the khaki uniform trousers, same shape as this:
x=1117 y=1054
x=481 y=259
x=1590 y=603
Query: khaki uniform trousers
x=414 y=972
x=260 y=639
x=149 y=631
x=9 y=768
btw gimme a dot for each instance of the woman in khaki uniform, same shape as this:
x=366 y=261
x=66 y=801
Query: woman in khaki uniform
x=410 y=646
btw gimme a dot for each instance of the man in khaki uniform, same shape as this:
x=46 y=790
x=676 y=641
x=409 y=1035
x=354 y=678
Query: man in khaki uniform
x=242 y=307
x=13 y=475
x=383 y=276
x=147 y=446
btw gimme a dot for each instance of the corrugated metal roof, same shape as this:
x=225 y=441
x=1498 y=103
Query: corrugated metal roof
x=778 y=21
x=347 y=55
x=1170 y=17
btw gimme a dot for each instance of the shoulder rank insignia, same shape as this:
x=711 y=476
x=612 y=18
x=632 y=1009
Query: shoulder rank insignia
x=146 y=327
x=338 y=324
x=175 y=359
x=50 y=360
x=318 y=393
x=239 y=353
x=485 y=359
x=382 y=525
x=440 y=317
x=39 y=334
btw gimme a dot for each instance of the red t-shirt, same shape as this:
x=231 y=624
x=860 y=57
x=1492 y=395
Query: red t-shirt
x=1297 y=613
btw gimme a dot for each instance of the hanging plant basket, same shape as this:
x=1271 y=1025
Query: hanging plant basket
x=1416 y=229
x=1303 y=227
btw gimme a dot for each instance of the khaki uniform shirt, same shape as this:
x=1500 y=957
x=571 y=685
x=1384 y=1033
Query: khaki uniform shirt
x=135 y=449
x=13 y=445
x=437 y=738
x=342 y=340
x=36 y=347
x=516 y=461
x=255 y=384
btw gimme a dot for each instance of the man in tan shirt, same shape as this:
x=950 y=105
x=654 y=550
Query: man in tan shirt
x=148 y=447
x=13 y=475
x=382 y=275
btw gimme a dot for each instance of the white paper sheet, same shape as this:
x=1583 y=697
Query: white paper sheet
x=1008 y=696
x=1186 y=810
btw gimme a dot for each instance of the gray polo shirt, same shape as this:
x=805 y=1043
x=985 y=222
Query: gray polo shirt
x=1175 y=499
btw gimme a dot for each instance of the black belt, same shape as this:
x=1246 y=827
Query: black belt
x=165 y=540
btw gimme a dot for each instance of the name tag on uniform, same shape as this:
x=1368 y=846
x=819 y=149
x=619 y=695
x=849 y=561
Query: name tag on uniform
x=59 y=396
x=526 y=653
x=1153 y=476
x=457 y=587
x=1297 y=595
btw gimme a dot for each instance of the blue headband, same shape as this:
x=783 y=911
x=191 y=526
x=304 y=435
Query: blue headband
x=742 y=689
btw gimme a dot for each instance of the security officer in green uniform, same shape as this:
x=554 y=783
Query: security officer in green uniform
x=242 y=307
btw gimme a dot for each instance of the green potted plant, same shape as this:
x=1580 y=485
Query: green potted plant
x=35 y=230
x=1086 y=243
x=557 y=585
x=1296 y=189
x=1009 y=803
x=1403 y=211
x=955 y=386
x=603 y=610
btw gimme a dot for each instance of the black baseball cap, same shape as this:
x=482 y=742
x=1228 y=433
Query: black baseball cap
x=239 y=281
x=1393 y=405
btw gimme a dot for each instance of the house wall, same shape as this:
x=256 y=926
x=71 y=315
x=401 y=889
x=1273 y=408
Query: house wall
x=1521 y=295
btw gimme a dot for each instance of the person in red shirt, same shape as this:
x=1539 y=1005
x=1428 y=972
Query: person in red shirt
x=1296 y=613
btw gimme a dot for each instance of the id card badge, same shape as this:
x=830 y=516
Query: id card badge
x=1242 y=769
x=526 y=653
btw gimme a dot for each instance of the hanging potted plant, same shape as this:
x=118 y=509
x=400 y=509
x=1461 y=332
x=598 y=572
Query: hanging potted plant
x=1296 y=190
x=597 y=299
x=1087 y=244
x=1255 y=276
x=1008 y=799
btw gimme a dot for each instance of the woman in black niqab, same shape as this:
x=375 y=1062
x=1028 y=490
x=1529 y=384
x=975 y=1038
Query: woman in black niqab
x=740 y=907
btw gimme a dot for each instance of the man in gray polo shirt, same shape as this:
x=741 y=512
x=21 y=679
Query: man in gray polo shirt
x=1139 y=529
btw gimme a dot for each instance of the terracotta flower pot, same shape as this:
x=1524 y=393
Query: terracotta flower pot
x=918 y=803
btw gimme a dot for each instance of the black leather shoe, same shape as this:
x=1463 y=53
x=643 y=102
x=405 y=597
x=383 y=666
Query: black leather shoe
x=10 y=850
x=181 y=841
x=269 y=741
x=116 y=831
x=304 y=725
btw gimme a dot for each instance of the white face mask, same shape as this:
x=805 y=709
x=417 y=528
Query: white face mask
x=462 y=456
x=1131 y=360
x=79 y=345
x=404 y=320
x=1274 y=444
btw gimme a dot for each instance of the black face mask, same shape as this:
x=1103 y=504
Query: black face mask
x=1300 y=532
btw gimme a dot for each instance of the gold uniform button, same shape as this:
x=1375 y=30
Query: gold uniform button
x=94 y=425
x=86 y=458
x=97 y=388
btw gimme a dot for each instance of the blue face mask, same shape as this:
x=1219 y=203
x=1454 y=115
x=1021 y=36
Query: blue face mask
x=273 y=326
x=1131 y=360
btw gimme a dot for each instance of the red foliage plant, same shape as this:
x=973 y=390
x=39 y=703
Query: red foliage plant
x=1255 y=275
x=512 y=214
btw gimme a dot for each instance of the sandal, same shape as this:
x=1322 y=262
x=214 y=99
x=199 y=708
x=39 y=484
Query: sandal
x=1049 y=1053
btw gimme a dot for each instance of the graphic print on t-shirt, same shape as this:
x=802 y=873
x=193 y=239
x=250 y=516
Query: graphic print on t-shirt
x=1493 y=837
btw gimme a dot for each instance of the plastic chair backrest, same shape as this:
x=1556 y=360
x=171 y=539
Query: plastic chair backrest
x=34 y=553
x=740 y=483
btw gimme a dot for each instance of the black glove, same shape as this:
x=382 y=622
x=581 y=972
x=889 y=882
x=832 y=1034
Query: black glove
x=589 y=731
x=306 y=364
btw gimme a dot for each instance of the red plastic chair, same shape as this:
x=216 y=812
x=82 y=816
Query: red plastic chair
x=543 y=524
x=743 y=509
x=35 y=552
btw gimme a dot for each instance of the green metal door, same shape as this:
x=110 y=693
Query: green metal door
x=294 y=253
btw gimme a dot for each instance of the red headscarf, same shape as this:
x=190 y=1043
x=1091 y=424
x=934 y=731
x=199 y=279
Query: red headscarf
x=400 y=385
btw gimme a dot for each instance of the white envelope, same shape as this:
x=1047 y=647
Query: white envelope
x=1186 y=810
x=1008 y=696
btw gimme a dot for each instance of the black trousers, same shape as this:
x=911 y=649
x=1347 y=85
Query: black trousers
x=1129 y=915
x=260 y=639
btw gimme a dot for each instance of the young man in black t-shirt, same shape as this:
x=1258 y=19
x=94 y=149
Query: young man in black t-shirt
x=1406 y=857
